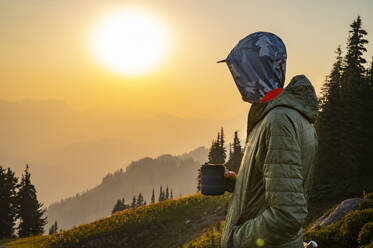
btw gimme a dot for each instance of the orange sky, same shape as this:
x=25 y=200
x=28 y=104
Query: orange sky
x=46 y=52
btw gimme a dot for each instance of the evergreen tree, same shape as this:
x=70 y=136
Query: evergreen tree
x=8 y=204
x=160 y=197
x=198 y=180
x=171 y=195
x=218 y=153
x=134 y=202
x=213 y=153
x=117 y=206
x=153 y=197
x=54 y=228
x=230 y=151
x=236 y=154
x=355 y=49
x=30 y=212
x=355 y=92
x=120 y=205
x=222 y=150
x=167 y=194
x=140 y=200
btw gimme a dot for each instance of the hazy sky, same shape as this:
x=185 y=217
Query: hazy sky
x=46 y=51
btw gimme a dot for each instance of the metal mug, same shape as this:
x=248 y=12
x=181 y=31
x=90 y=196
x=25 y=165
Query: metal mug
x=212 y=179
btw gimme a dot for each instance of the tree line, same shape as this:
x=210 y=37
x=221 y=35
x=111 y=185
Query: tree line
x=139 y=201
x=19 y=204
x=218 y=151
x=344 y=167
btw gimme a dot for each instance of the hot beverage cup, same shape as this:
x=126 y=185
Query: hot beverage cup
x=212 y=179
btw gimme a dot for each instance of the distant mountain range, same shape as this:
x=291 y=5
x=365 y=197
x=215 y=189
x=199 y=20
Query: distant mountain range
x=177 y=172
x=69 y=150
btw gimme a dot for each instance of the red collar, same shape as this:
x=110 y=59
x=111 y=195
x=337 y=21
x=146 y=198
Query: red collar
x=271 y=94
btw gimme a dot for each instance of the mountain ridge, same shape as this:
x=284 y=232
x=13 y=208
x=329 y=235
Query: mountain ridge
x=141 y=176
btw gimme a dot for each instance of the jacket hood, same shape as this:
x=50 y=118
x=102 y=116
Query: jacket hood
x=299 y=95
x=258 y=65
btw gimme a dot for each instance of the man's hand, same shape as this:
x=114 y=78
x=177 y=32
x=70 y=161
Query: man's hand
x=230 y=174
x=227 y=174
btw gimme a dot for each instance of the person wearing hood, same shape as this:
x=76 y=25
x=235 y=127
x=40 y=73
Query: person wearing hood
x=270 y=191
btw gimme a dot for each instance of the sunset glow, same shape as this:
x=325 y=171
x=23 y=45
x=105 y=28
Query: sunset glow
x=130 y=41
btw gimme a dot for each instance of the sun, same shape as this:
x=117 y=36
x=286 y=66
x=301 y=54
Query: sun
x=130 y=41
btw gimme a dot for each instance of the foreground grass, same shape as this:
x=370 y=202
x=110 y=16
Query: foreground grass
x=29 y=242
x=169 y=223
x=209 y=239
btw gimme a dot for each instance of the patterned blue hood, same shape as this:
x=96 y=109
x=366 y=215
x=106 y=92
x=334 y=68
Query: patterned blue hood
x=258 y=65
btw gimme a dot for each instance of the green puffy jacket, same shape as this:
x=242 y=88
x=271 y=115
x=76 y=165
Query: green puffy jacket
x=269 y=201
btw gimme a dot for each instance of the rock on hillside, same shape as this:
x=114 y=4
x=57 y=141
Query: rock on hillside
x=337 y=214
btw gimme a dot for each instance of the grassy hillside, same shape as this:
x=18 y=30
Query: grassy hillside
x=176 y=172
x=194 y=221
x=170 y=223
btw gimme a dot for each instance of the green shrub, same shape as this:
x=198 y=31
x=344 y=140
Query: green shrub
x=352 y=224
x=366 y=234
x=343 y=233
x=209 y=239
x=367 y=246
x=365 y=204
x=369 y=196
x=328 y=236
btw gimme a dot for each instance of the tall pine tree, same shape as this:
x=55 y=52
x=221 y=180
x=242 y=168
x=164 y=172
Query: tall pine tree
x=153 y=197
x=354 y=94
x=8 y=203
x=54 y=228
x=120 y=205
x=222 y=149
x=167 y=193
x=236 y=155
x=30 y=212
x=140 y=200
x=213 y=153
x=161 y=194
x=218 y=152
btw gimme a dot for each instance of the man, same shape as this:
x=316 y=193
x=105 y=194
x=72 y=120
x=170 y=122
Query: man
x=269 y=201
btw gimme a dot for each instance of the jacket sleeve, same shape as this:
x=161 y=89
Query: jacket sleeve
x=282 y=220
